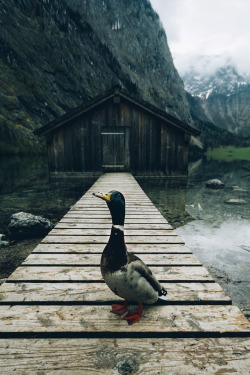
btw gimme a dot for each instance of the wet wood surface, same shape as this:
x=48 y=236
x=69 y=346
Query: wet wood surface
x=58 y=290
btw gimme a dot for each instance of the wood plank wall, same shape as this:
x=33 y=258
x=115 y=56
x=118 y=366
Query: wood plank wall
x=152 y=146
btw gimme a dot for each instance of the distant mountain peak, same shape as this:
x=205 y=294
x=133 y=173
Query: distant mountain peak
x=222 y=80
x=220 y=94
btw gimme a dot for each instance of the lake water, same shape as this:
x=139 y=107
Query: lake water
x=25 y=186
x=216 y=232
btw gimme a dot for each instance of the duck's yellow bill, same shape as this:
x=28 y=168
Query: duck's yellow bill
x=105 y=197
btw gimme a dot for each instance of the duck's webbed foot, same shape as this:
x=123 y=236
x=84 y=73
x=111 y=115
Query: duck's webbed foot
x=120 y=309
x=133 y=317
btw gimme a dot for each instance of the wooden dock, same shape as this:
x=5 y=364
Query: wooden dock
x=54 y=308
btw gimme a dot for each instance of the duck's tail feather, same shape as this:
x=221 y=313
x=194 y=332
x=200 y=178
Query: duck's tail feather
x=163 y=292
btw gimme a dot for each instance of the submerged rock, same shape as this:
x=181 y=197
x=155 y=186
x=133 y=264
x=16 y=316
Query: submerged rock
x=215 y=184
x=236 y=201
x=239 y=189
x=4 y=240
x=24 y=225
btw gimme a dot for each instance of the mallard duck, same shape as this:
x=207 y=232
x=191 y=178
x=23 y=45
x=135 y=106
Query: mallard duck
x=124 y=273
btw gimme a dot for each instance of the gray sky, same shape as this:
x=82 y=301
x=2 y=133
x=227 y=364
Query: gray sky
x=218 y=28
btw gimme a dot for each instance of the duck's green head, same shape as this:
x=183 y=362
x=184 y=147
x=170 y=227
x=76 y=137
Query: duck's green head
x=116 y=204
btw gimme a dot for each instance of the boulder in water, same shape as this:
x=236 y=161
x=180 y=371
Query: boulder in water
x=215 y=184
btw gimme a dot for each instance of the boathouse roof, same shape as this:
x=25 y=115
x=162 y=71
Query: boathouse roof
x=116 y=92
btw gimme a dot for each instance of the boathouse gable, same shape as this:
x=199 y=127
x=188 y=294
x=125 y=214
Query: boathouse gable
x=116 y=132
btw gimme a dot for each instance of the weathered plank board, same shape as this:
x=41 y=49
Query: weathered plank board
x=106 y=232
x=107 y=216
x=104 y=207
x=130 y=203
x=81 y=273
x=69 y=219
x=85 y=318
x=114 y=356
x=100 y=293
x=86 y=225
x=98 y=248
x=133 y=210
x=104 y=239
x=94 y=259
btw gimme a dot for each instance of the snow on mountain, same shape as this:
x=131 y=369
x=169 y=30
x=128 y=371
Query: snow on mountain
x=224 y=80
x=222 y=92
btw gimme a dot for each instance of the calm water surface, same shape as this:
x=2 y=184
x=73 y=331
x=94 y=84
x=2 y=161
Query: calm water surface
x=25 y=186
x=217 y=233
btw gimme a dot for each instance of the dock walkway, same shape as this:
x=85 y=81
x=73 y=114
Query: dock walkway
x=54 y=308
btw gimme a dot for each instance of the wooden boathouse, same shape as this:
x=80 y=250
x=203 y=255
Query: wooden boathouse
x=54 y=308
x=117 y=132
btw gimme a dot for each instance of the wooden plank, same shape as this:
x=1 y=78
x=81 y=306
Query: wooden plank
x=94 y=259
x=106 y=232
x=89 y=319
x=115 y=356
x=107 y=216
x=104 y=239
x=135 y=202
x=86 y=225
x=130 y=203
x=81 y=273
x=98 y=248
x=130 y=192
x=80 y=219
x=100 y=293
x=129 y=210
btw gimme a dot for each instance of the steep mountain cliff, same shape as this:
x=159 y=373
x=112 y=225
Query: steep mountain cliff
x=56 y=54
x=220 y=97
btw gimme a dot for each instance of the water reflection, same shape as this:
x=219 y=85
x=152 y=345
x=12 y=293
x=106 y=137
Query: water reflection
x=17 y=172
x=25 y=186
x=169 y=196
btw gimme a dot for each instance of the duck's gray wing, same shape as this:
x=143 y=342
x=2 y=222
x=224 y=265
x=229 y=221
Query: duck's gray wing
x=146 y=272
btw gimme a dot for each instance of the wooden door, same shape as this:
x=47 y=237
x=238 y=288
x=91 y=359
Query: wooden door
x=114 y=150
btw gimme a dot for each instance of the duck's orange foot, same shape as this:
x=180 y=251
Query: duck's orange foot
x=132 y=317
x=119 y=309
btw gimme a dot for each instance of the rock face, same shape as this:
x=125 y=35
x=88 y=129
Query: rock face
x=24 y=225
x=220 y=98
x=54 y=55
